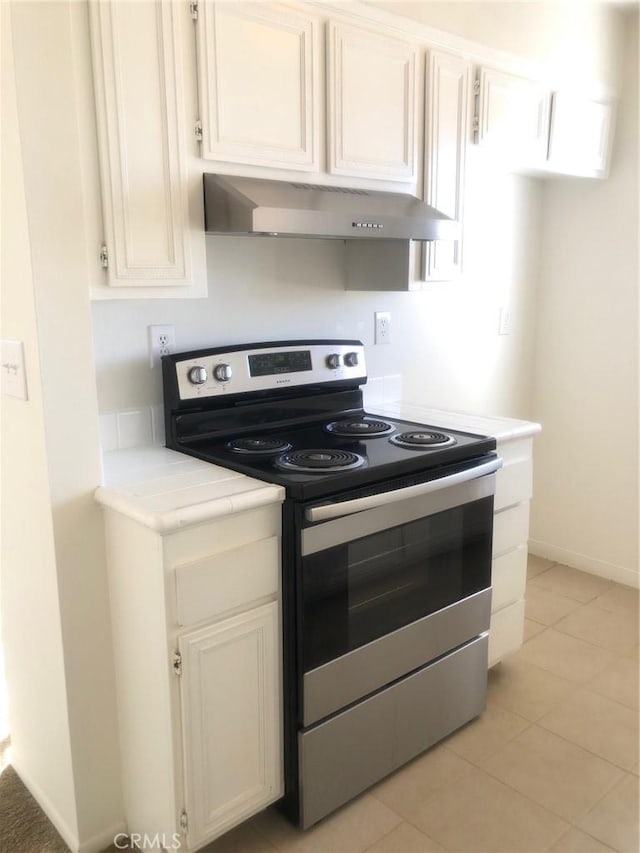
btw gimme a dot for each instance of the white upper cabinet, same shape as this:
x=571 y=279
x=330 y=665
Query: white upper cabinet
x=371 y=109
x=258 y=85
x=447 y=109
x=580 y=135
x=152 y=211
x=512 y=117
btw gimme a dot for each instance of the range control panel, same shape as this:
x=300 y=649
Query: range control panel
x=238 y=371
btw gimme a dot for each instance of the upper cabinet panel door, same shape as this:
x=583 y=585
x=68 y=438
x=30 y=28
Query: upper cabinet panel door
x=513 y=117
x=447 y=108
x=371 y=104
x=580 y=135
x=258 y=85
x=137 y=65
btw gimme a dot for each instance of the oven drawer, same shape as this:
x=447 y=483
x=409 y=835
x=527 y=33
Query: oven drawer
x=345 y=680
x=346 y=754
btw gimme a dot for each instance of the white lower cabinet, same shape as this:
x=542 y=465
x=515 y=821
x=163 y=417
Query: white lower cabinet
x=510 y=534
x=197 y=627
x=230 y=720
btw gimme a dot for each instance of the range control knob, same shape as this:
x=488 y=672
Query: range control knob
x=197 y=375
x=223 y=372
x=333 y=360
x=351 y=359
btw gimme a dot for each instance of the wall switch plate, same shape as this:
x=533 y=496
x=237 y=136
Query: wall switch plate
x=504 y=322
x=14 y=377
x=162 y=341
x=382 y=327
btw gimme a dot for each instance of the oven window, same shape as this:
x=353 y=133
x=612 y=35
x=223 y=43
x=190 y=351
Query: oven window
x=355 y=592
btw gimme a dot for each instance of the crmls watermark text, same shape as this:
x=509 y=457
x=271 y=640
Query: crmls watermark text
x=140 y=841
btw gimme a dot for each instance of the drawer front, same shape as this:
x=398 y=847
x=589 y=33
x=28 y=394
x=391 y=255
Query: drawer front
x=510 y=528
x=515 y=451
x=212 y=586
x=505 y=634
x=197 y=542
x=351 y=750
x=508 y=577
x=514 y=483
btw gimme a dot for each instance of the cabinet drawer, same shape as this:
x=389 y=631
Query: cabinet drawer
x=514 y=483
x=213 y=585
x=510 y=528
x=508 y=577
x=505 y=633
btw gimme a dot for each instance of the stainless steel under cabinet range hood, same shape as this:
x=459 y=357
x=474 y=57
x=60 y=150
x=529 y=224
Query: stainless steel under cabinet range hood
x=236 y=205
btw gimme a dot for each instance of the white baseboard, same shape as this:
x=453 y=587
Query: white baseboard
x=102 y=841
x=92 y=845
x=68 y=836
x=610 y=571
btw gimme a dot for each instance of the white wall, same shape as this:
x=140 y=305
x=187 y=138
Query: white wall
x=574 y=40
x=31 y=624
x=585 y=511
x=56 y=581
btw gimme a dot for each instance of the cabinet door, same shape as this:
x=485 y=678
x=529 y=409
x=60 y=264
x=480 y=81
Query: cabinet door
x=445 y=149
x=258 y=75
x=231 y=717
x=513 y=117
x=371 y=104
x=152 y=237
x=580 y=135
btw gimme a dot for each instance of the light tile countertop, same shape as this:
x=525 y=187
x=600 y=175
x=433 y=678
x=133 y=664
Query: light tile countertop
x=502 y=429
x=166 y=490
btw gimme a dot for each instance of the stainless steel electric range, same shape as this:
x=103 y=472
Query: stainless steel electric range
x=387 y=533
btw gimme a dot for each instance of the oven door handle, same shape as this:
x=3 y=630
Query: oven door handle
x=336 y=510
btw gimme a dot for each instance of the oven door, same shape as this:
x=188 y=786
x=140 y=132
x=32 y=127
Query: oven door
x=390 y=580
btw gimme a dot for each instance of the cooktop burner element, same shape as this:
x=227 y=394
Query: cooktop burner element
x=422 y=439
x=319 y=461
x=362 y=428
x=258 y=446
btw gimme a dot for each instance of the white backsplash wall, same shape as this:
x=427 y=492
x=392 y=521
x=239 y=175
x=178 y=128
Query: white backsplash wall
x=445 y=343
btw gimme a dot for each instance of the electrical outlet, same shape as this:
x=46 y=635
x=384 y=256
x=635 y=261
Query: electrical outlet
x=504 y=322
x=162 y=341
x=383 y=327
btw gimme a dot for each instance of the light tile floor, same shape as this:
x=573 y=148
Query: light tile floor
x=552 y=764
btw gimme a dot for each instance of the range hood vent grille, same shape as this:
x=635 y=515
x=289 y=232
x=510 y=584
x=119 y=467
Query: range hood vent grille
x=322 y=189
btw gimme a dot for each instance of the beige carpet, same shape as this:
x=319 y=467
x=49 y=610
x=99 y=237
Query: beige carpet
x=24 y=828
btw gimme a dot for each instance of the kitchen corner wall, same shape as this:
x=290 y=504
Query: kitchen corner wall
x=585 y=509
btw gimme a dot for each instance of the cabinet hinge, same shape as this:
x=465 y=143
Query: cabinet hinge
x=193 y=9
x=475 y=124
x=198 y=130
x=104 y=257
x=476 y=87
x=184 y=821
x=176 y=662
